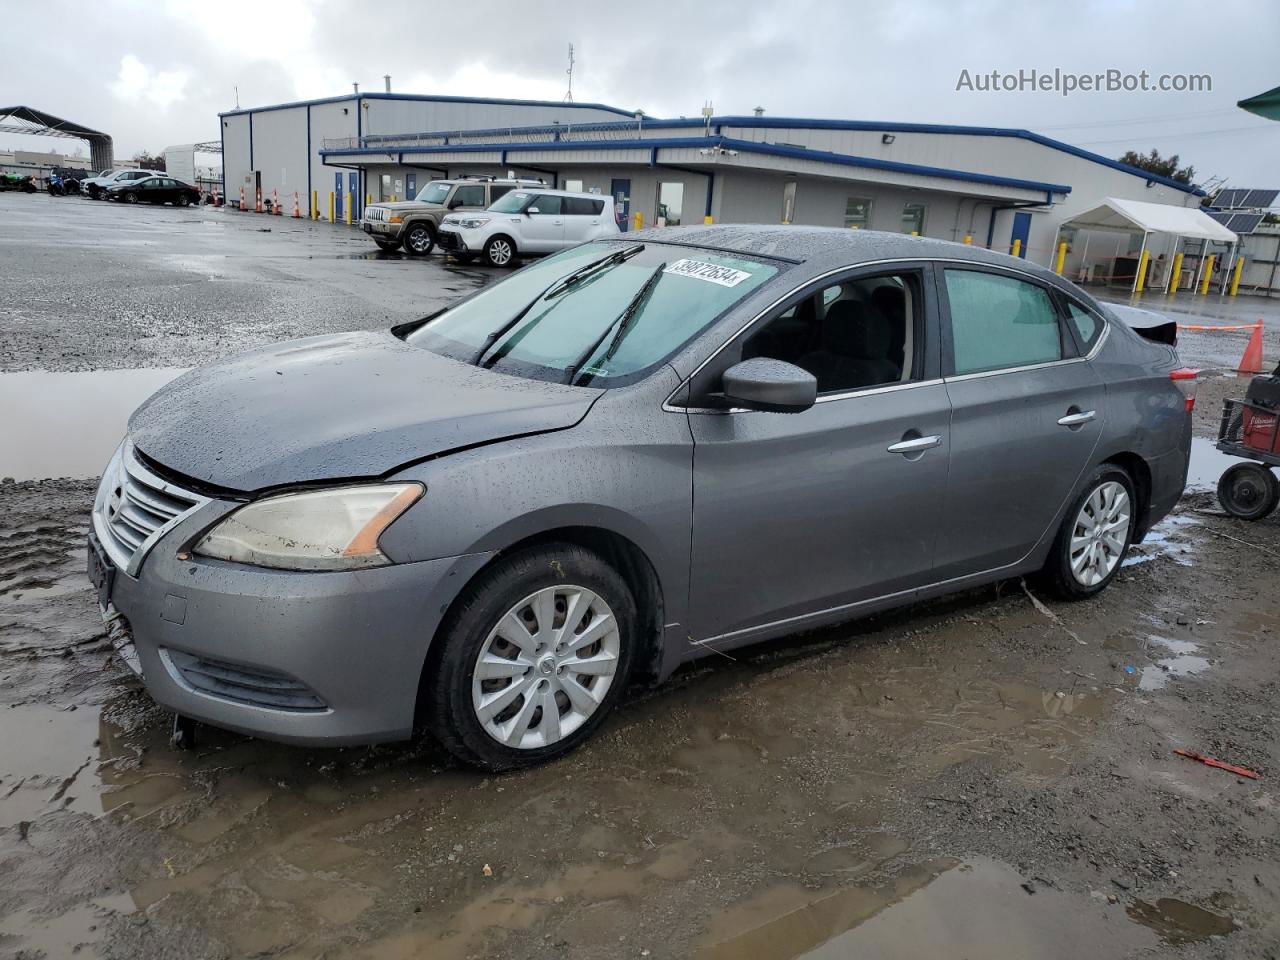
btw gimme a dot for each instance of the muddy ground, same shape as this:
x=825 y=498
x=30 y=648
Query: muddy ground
x=976 y=777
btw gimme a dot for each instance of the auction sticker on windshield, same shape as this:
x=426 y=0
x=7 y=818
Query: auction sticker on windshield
x=711 y=272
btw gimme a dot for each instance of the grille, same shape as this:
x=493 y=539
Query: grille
x=252 y=685
x=375 y=213
x=134 y=508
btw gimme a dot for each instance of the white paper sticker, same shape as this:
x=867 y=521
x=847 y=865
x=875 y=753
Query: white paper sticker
x=711 y=272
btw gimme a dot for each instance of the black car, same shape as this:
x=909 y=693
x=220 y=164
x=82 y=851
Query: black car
x=157 y=189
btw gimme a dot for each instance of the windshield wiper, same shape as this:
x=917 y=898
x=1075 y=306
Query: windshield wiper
x=562 y=283
x=622 y=322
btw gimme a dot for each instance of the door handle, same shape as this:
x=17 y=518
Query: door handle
x=918 y=445
x=1076 y=419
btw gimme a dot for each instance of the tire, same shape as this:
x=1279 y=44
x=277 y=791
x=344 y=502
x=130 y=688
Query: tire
x=182 y=201
x=500 y=251
x=419 y=239
x=1079 y=564
x=1248 y=491
x=388 y=245
x=499 y=604
x=130 y=197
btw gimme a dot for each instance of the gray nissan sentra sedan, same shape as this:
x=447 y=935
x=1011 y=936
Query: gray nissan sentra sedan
x=636 y=452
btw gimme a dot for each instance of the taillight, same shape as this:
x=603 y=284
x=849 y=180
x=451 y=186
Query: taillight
x=1186 y=381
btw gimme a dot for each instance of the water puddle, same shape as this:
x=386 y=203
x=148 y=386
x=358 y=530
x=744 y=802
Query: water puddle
x=68 y=424
x=1178 y=922
x=48 y=758
x=72 y=933
x=1208 y=463
x=978 y=908
x=1168 y=538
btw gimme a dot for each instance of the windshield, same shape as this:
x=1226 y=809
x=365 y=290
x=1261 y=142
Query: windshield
x=434 y=192
x=611 y=327
x=513 y=202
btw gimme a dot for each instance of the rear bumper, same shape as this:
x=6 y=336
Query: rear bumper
x=307 y=658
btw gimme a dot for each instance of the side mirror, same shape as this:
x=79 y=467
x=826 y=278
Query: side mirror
x=532 y=210
x=454 y=204
x=771 y=385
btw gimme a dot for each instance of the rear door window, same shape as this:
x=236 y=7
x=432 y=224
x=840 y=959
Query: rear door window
x=582 y=207
x=998 y=322
x=468 y=196
x=1087 y=326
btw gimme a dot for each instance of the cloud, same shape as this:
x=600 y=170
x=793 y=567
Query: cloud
x=138 y=82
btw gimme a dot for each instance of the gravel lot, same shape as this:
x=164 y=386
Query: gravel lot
x=977 y=777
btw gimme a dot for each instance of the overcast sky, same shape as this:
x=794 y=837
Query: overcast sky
x=156 y=73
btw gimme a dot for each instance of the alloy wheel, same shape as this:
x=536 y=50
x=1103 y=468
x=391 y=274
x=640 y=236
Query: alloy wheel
x=500 y=252
x=420 y=240
x=546 y=667
x=130 y=198
x=1100 y=533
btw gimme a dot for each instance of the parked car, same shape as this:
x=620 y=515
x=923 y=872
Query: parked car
x=96 y=187
x=623 y=457
x=413 y=223
x=528 y=221
x=156 y=188
x=18 y=181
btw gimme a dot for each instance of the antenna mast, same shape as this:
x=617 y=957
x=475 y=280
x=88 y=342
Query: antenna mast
x=568 y=96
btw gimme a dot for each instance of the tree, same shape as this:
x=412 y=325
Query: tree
x=1160 y=166
x=145 y=161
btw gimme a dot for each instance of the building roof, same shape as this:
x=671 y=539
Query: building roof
x=805 y=123
x=432 y=98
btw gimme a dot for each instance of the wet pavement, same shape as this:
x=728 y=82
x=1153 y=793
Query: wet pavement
x=969 y=777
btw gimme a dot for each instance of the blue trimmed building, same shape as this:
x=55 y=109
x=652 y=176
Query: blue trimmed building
x=993 y=185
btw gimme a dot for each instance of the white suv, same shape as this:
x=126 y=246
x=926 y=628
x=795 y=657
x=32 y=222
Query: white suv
x=528 y=221
x=96 y=187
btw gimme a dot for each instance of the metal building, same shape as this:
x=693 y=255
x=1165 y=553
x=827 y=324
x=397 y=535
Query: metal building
x=279 y=147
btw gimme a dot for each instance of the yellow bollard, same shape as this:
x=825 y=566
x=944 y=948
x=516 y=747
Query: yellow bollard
x=1143 y=262
x=1062 y=258
x=1235 y=276
x=639 y=218
x=968 y=239
x=393 y=198
x=707 y=220
x=1208 y=274
x=1176 y=275
x=332 y=218
x=1017 y=246
x=368 y=199
x=914 y=233
x=346 y=208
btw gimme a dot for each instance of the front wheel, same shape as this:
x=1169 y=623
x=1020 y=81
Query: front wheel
x=499 y=251
x=1248 y=491
x=1094 y=536
x=419 y=239
x=534 y=655
x=130 y=197
x=182 y=200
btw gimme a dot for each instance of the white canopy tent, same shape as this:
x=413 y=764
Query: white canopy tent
x=1133 y=216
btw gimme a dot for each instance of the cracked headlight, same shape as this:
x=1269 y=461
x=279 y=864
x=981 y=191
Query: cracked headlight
x=334 y=529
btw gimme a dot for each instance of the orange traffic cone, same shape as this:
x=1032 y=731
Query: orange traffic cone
x=1251 y=362
x=297 y=209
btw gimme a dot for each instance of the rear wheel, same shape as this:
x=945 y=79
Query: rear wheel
x=419 y=239
x=1094 y=536
x=182 y=200
x=1248 y=491
x=500 y=251
x=535 y=654
x=130 y=197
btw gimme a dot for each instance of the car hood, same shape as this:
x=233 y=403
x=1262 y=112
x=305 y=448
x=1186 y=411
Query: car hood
x=406 y=206
x=338 y=407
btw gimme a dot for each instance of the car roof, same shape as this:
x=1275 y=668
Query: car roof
x=822 y=247
x=572 y=193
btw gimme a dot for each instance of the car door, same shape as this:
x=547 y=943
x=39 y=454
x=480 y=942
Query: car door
x=467 y=196
x=581 y=220
x=801 y=515
x=543 y=228
x=1027 y=415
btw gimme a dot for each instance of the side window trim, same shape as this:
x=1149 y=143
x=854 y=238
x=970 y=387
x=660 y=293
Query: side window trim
x=927 y=353
x=947 y=339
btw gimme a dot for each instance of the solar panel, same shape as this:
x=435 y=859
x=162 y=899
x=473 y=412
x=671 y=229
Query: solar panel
x=1260 y=198
x=1230 y=198
x=1222 y=216
x=1244 y=222
x=1243 y=199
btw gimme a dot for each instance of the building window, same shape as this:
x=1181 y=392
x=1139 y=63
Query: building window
x=857 y=213
x=573 y=186
x=913 y=218
x=670 y=203
x=788 y=201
